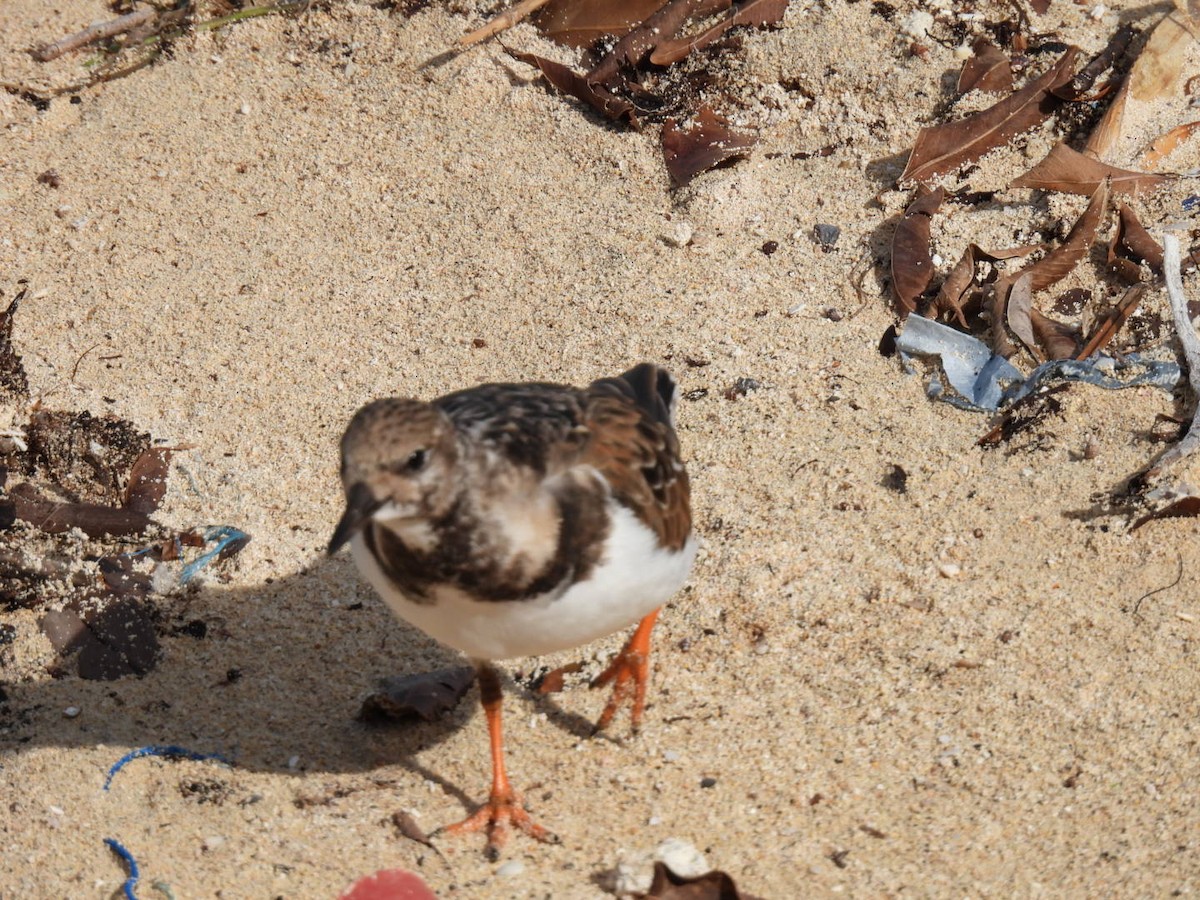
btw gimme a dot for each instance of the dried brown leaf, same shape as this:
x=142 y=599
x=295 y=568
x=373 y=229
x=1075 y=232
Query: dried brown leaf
x=93 y=519
x=1020 y=303
x=1162 y=147
x=581 y=87
x=1132 y=245
x=12 y=371
x=988 y=70
x=1041 y=7
x=711 y=886
x=1058 y=339
x=662 y=26
x=148 y=480
x=578 y=23
x=963 y=279
x=755 y=13
x=704 y=144
x=427 y=696
x=1060 y=261
x=912 y=264
x=1072 y=172
x=941 y=148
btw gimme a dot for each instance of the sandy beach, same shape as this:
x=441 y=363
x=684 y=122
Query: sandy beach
x=904 y=665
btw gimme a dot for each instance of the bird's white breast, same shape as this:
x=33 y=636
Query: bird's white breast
x=633 y=577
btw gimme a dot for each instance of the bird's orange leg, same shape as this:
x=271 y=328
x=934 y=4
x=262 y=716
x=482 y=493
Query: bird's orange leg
x=629 y=672
x=503 y=807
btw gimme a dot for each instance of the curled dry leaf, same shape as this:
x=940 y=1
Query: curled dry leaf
x=702 y=145
x=632 y=49
x=578 y=23
x=1059 y=262
x=1132 y=245
x=941 y=148
x=757 y=13
x=956 y=290
x=1072 y=172
x=1019 y=306
x=1162 y=147
x=148 y=480
x=588 y=92
x=987 y=70
x=1058 y=339
x=912 y=264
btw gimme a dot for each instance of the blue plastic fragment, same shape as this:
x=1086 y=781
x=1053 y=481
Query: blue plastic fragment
x=1191 y=203
x=983 y=381
x=167 y=750
x=131 y=881
x=224 y=535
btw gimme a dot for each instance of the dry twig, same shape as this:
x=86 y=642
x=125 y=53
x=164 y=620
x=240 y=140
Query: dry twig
x=93 y=33
x=502 y=22
x=1172 y=269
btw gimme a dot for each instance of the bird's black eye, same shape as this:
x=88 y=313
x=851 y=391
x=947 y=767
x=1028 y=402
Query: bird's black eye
x=416 y=461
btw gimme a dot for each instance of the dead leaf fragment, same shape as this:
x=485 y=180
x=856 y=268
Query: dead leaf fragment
x=148 y=480
x=579 y=23
x=12 y=371
x=1058 y=339
x=1132 y=245
x=1162 y=147
x=912 y=263
x=1072 y=172
x=427 y=696
x=1060 y=261
x=588 y=92
x=942 y=148
x=704 y=144
x=987 y=70
x=663 y=25
x=757 y=13
x=1019 y=306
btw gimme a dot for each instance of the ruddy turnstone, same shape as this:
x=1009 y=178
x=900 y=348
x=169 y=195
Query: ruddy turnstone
x=521 y=519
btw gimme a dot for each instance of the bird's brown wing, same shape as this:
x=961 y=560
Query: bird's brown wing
x=631 y=442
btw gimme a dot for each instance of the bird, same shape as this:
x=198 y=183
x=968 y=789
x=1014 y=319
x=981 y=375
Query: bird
x=518 y=519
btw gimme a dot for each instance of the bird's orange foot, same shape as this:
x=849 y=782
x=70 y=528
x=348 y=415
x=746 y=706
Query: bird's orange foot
x=629 y=674
x=501 y=812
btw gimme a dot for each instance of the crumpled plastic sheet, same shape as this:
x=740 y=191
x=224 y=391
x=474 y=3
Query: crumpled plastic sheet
x=985 y=382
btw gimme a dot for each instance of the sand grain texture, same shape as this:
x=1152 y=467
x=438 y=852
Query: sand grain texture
x=289 y=217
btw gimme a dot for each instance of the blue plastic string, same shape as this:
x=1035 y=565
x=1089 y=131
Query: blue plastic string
x=131 y=881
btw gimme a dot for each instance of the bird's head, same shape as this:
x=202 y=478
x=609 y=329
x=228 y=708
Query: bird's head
x=398 y=459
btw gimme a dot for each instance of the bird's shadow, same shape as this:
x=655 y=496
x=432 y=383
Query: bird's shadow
x=272 y=682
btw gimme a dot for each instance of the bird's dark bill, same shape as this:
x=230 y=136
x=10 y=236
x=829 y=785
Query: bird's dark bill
x=360 y=506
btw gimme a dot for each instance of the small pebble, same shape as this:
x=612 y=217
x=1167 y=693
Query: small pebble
x=671 y=756
x=681 y=858
x=213 y=842
x=708 y=781
x=71 y=712
x=832 y=313
x=949 y=570
x=680 y=235
x=511 y=868
x=293 y=762
x=244 y=109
